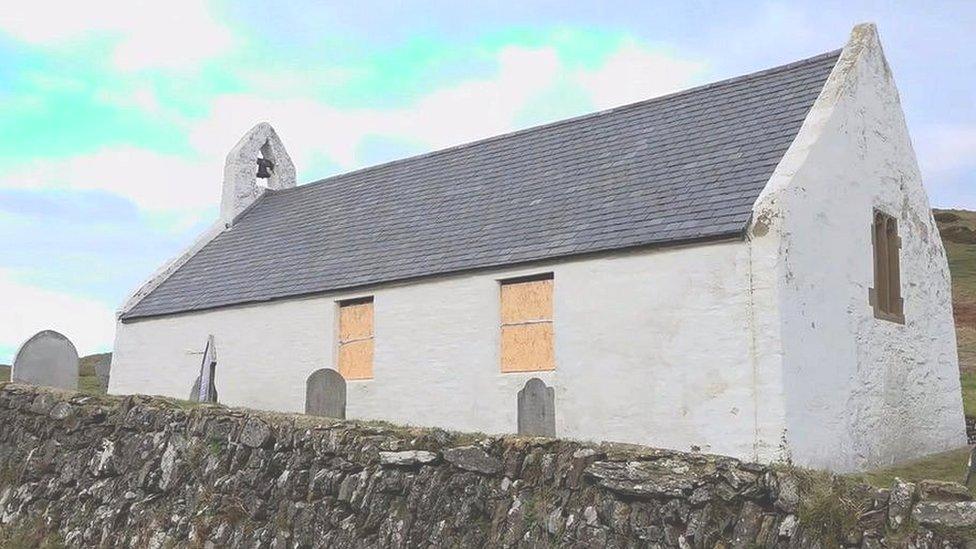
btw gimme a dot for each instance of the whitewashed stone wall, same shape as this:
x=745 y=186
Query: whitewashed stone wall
x=859 y=391
x=651 y=347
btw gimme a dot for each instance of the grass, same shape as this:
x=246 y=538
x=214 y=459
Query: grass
x=968 y=380
x=957 y=228
x=830 y=506
x=949 y=466
x=29 y=534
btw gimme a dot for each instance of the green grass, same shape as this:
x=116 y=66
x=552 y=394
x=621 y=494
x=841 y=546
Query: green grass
x=830 y=505
x=968 y=380
x=29 y=534
x=949 y=466
x=961 y=252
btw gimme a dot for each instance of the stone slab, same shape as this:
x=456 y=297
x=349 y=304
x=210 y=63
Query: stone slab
x=407 y=458
x=945 y=514
x=103 y=370
x=47 y=358
x=472 y=458
x=537 y=409
x=325 y=394
x=208 y=371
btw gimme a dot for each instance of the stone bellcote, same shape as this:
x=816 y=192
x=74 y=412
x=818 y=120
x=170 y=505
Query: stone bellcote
x=259 y=146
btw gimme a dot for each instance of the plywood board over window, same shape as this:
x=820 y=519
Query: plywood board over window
x=355 y=337
x=885 y=296
x=527 y=324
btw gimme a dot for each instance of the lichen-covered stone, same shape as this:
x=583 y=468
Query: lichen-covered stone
x=938 y=490
x=472 y=458
x=788 y=526
x=61 y=410
x=407 y=458
x=643 y=478
x=787 y=490
x=946 y=514
x=900 y=502
x=255 y=433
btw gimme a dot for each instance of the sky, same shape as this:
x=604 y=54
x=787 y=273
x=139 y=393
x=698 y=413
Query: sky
x=116 y=116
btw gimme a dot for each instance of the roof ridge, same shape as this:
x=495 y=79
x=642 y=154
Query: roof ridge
x=571 y=120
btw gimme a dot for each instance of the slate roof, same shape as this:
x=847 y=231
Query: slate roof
x=678 y=168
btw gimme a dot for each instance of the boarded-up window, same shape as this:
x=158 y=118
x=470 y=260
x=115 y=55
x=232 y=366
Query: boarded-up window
x=356 y=338
x=885 y=296
x=527 y=336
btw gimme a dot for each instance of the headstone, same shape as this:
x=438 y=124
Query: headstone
x=102 y=371
x=47 y=358
x=204 y=389
x=325 y=394
x=537 y=409
x=970 y=467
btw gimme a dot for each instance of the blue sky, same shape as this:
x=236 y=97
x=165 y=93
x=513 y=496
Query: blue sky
x=115 y=116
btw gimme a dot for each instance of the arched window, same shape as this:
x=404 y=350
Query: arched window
x=885 y=296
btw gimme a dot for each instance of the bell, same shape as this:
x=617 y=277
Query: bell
x=265 y=167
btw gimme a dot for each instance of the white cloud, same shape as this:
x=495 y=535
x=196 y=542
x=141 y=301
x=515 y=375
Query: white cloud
x=464 y=112
x=89 y=324
x=634 y=73
x=173 y=34
x=151 y=180
x=311 y=129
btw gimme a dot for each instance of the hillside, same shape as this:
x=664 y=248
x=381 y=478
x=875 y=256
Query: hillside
x=958 y=228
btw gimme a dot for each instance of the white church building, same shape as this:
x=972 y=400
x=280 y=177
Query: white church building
x=747 y=268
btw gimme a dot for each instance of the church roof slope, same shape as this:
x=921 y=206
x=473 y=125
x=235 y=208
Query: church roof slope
x=678 y=168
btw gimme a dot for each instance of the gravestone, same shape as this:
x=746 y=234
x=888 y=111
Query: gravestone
x=537 y=409
x=970 y=467
x=204 y=389
x=47 y=358
x=325 y=394
x=103 y=369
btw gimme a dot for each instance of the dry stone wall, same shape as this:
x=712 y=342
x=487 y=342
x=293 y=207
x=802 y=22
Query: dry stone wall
x=138 y=471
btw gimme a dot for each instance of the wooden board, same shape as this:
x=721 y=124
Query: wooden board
x=526 y=301
x=356 y=339
x=355 y=320
x=528 y=348
x=356 y=359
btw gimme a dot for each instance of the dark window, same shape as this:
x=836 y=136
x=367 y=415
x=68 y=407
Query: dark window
x=885 y=296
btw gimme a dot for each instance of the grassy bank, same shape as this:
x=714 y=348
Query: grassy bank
x=958 y=229
x=949 y=466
